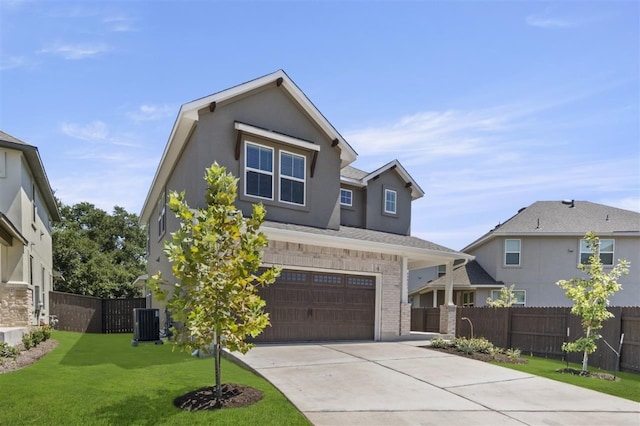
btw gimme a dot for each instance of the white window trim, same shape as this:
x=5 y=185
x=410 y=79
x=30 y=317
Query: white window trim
x=247 y=169
x=519 y=252
x=350 y=204
x=162 y=213
x=293 y=178
x=288 y=140
x=588 y=252
x=395 y=201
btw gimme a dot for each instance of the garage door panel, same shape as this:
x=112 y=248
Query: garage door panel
x=307 y=306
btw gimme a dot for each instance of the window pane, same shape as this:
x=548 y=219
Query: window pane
x=390 y=201
x=606 y=258
x=512 y=245
x=292 y=191
x=519 y=296
x=584 y=258
x=259 y=184
x=512 y=259
x=606 y=245
x=259 y=158
x=298 y=167
x=286 y=164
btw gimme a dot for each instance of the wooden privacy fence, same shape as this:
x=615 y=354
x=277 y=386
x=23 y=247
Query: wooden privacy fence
x=542 y=331
x=91 y=314
x=425 y=319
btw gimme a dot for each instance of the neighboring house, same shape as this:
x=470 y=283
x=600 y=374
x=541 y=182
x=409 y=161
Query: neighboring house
x=468 y=280
x=543 y=243
x=27 y=209
x=341 y=234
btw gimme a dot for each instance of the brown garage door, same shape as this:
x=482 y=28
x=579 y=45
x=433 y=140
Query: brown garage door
x=312 y=306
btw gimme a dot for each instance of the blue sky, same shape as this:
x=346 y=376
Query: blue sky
x=489 y=105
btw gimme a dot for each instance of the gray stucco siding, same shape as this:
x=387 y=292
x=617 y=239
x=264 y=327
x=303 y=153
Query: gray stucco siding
x=215 y=137
x=377 y=219
x=354 y=215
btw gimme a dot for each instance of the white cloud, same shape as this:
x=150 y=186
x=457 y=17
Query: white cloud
x=11 y=62
x=549 y=22
x=151 y=112
x=75 y=51
x=120 y=24
x=93 y=132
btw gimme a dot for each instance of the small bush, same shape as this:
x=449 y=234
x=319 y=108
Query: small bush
x=8 y=351
x=469 y=346
x=439 y=343
x=513 y=353
x=35 y=337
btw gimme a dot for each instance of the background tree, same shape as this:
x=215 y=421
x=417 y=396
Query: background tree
x=591 y=297
x=98 y=254
x=506 y=298
x=215 y=257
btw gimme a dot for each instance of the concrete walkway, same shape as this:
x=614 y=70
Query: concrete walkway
x=399 y=383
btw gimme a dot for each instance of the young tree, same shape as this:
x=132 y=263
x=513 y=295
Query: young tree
x=505 y=300
x=215 y=257
x=591 y=297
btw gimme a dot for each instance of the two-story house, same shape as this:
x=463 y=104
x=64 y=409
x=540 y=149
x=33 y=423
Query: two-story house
x=543 y=243
x=27 y=209
x=341 y=234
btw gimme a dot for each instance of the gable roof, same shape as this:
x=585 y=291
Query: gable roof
x=566 y=218
x=358 y=177
x=34 y=161
x=188 y=115
x=470 y=274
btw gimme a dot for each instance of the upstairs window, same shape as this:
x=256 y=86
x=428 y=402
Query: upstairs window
x=346 y=197
x=605 y=251
x=390 y=201
x=259 y=171
x=292 y=178
x=162 y=214
x=512 y=252
x=442 y=270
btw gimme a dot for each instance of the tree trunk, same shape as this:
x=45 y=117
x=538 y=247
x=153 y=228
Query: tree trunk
x=585 y=356
x=216 y=360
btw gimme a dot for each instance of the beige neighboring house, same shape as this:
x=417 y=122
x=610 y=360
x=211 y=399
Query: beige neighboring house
x=342 y=234
x=543 y=243
x=27 y=209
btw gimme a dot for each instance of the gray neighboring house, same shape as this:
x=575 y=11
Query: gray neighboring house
x=27 y=209
x=543 y=243
x=341 y=234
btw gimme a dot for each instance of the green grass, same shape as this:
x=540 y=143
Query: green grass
x=101 y=379
x=628 y=385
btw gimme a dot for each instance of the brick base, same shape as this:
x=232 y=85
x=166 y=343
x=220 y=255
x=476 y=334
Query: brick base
x=448 y=319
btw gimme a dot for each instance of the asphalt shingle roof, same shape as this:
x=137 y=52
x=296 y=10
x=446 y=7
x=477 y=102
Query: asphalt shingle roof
x=353 y=173
x=471 y=274
x=364 y=235
x=555 y=217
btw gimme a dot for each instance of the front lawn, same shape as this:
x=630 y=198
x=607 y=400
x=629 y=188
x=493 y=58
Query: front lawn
x=102 y=379
x=626 y=387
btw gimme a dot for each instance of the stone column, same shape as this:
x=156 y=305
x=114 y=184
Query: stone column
x=448 y=319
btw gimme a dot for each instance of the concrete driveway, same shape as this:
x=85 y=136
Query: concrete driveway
x=399 y=383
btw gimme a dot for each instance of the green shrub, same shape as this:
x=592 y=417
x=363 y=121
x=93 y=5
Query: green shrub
x=469 y=346
x=439 y=343
x=513 y=353
x=35 y=337
x=8 y=351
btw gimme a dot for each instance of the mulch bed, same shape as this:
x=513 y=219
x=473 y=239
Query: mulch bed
x=592 y=374
x=26 y=358
x=480 y=356
x=233 y=396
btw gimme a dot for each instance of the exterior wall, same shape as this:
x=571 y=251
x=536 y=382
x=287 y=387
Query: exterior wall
x=545 y=260
x=17 y=270
x=376 y=218
x=15 y=306
x=214 y=139
x=354 y=215
x=389 y=320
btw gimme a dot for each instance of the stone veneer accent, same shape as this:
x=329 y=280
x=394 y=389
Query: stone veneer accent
x=392 y=322
x=448 y=319
x=16 y=306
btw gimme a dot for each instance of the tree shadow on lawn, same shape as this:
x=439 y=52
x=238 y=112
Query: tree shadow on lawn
x=97 y=349
x=140 y=410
